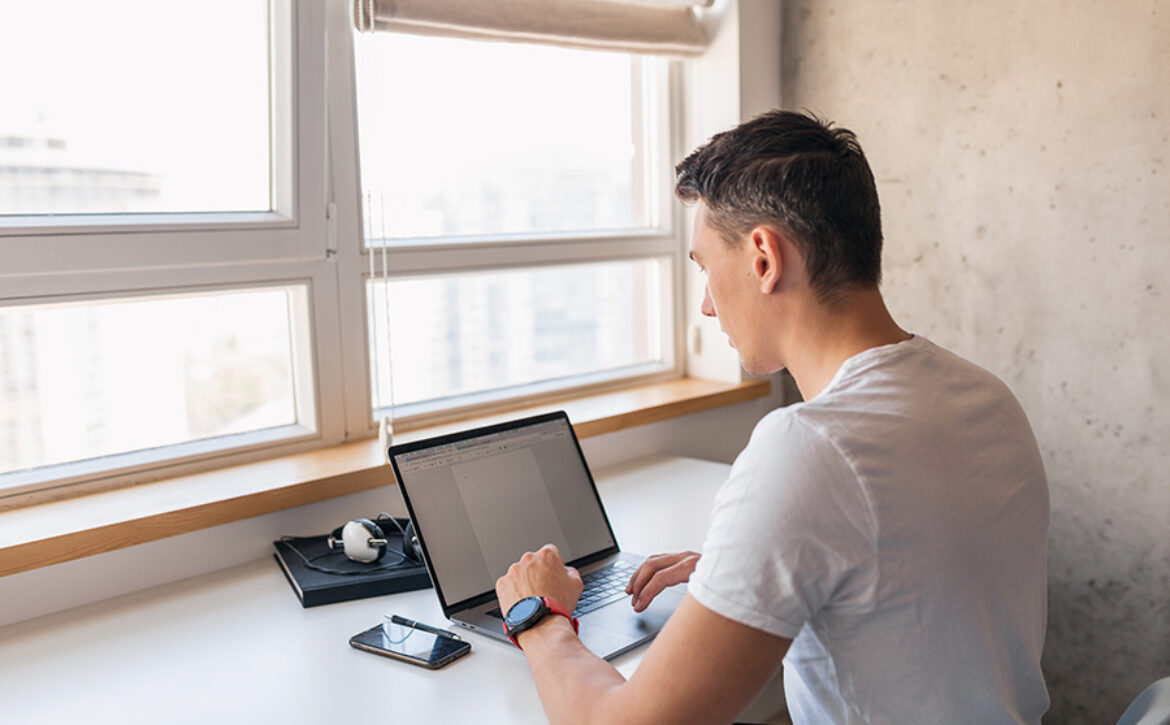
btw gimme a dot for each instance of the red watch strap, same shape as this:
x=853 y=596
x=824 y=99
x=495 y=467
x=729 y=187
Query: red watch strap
x=554 y=607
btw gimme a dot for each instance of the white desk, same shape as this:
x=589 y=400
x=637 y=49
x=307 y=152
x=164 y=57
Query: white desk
x=236 y=646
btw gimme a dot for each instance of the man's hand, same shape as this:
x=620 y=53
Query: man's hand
x=671 y=685
x=657 y=573
x=540 y=574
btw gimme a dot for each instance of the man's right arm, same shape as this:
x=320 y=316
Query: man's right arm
x=701 y=668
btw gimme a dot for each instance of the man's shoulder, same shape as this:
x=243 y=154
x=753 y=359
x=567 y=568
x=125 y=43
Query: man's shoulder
x=895 y=376
x=889 y=402
x=802 y=438
x=792 y=453
x=794 y=426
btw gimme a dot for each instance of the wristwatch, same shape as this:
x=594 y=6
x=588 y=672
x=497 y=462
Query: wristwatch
x=528 y=612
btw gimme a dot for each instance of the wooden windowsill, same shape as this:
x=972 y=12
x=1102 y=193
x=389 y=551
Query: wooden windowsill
x=31 y=538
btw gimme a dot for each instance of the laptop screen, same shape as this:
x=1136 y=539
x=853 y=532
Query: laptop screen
x=480 y=502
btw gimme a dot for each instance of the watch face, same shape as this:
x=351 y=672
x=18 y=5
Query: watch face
x=522 y=610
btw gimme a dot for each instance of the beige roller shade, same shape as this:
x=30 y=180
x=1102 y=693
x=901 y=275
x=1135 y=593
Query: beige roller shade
x=665 y=27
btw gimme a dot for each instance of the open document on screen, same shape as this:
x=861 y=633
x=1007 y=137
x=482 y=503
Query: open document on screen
x=484 y=501
x=491 y=488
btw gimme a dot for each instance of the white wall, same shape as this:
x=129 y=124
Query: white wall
x=1023 y=161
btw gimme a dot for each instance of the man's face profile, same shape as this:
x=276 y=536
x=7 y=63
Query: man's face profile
x=724 y=294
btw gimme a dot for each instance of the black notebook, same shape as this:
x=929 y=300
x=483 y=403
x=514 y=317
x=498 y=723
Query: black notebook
x=314 y=588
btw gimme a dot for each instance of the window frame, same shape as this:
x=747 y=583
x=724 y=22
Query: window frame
x=117 y=466
x=658 y=86
x=94 y=242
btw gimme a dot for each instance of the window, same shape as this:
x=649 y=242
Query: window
x=502 y=139
x=519 y=191
x=165 y=300
x=199 y=272
x=512 y=332
x=88 y=127
x=80 y=385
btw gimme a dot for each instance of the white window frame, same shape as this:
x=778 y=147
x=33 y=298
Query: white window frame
x=292 y=229
x=661 y=240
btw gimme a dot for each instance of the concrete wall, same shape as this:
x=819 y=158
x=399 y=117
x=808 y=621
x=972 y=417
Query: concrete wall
x=1023 y=162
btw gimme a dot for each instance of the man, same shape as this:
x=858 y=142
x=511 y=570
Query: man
x=884 y=539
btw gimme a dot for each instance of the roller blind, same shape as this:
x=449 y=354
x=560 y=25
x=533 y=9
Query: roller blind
x=663 y=27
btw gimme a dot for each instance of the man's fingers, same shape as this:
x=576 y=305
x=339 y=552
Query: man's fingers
x=540 y=573
x=648 y=569
x=550 y=549
x=661 y=580
x=652 y=566
x=679 y=572
x=642 y=575
x=575 y=577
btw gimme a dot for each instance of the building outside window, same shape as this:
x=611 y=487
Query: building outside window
x=514 y=149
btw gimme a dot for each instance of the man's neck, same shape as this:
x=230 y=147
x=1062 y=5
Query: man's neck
x=827 y=336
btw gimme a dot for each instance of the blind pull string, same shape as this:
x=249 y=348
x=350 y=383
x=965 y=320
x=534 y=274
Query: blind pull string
x=386 y=420
x=376 y=373
x=386 y=426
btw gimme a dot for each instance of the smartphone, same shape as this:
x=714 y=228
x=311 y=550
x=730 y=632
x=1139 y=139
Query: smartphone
x=410 y=645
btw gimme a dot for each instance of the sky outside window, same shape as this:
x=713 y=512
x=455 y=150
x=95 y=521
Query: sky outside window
x=134 y=106
x=472 y=138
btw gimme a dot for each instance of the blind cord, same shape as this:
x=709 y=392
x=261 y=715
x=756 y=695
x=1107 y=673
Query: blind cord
x=386 y=420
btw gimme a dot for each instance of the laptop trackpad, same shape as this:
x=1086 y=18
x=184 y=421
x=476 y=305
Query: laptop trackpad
x=603 y=642
x=620 y=616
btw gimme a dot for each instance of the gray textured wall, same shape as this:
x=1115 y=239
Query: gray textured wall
x=1022 y=151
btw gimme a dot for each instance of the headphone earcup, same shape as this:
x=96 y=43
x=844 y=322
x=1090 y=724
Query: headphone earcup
x=411 y=549
x=363 y=540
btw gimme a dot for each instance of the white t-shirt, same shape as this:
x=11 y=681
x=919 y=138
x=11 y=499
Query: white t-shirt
x=894 y=527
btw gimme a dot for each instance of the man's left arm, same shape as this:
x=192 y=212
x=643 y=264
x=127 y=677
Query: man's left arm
x=702 y=667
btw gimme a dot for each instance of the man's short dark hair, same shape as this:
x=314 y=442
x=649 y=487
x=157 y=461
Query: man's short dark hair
x=799 y=173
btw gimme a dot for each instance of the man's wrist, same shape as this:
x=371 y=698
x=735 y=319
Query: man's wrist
x=528 y=612
x=551 y=628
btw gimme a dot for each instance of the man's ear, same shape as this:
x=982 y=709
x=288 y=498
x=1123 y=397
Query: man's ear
x=767 y=261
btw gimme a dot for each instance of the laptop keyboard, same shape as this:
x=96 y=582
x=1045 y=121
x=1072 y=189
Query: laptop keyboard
x=603 y=586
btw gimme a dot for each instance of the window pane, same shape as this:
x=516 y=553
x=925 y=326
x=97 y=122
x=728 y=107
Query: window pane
x=471 y=138
x=468 y=333
x=134 y=106
x=83 y=380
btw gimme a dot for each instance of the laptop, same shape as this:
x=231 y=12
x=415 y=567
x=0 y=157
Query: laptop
x=481 y=498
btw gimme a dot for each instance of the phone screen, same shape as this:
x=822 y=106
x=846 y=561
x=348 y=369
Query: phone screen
x=395 y=640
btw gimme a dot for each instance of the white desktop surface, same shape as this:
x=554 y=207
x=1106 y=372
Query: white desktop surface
x=236 y=646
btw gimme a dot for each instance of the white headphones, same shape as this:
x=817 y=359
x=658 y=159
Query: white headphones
x=361 y=539
x=364 y=540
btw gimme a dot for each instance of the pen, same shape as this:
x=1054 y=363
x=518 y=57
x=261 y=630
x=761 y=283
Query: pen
x=424 y=627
